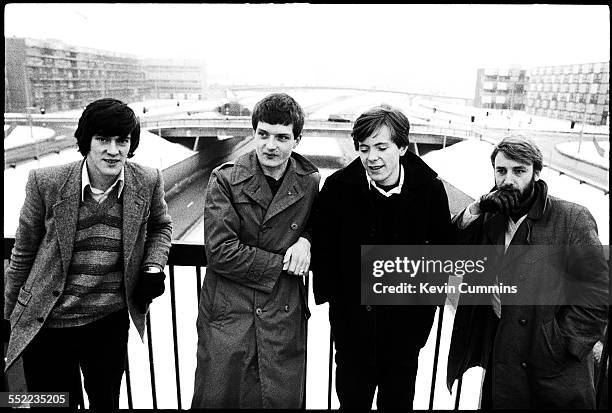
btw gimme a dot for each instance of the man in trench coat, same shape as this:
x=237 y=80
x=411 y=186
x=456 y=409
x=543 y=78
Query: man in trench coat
x=253 y=312
x=90 y=249
x=536 y=345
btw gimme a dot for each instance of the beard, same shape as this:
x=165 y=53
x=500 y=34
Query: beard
x=525 y=197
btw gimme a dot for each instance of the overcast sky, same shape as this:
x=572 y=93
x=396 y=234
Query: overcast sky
x=427 y=48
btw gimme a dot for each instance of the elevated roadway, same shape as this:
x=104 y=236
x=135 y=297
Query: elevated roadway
x=189 y=129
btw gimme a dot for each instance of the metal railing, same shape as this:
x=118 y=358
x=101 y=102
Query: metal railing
x=193 y=255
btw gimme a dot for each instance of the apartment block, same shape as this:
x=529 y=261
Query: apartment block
x=50 y=75
x=578 y=92
x=501 y=88
x=54 y=76
x=175 y=78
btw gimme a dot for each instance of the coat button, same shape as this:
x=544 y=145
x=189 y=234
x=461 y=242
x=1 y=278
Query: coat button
x=40 y=320
x=523 y=322
x=264 y=228
x=294 y=226
x=56 y=293
x=259 y=312
x=524 y=365
x=286 y=308
x=368 y=307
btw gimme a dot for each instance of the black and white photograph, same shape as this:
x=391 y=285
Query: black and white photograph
x=306 y=206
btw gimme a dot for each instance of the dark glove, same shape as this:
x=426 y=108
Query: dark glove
x=502 y=200
x=149 y=286
x=6 y=330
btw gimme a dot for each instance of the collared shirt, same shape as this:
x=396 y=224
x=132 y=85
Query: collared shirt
x=511 y=229
x=98 y=194
x=395 y=190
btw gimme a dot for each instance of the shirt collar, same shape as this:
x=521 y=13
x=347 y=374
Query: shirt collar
x=395 y=190
x=85 y=182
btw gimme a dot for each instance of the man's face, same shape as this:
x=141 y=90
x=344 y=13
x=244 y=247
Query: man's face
x=274 y=144
x=380 y=157
x=105 y=159
x=514 y=175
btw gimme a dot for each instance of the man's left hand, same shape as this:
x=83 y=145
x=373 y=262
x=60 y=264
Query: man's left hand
x=149 y=286
x=297 y=257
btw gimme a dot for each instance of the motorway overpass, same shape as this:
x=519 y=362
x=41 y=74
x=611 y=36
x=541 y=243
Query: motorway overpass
x=188 y=131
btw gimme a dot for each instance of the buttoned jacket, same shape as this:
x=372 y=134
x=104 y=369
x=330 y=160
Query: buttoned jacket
x=249 y=306
x=542 y=348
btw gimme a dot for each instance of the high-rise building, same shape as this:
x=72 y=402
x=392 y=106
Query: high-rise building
x=501 y=88
x=55 y=76
x=175 y=79
x=578 y=92
x=52 y=75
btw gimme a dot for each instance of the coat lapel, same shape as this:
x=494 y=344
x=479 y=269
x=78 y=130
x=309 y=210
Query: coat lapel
x=290 y=191
x=255 y=186
x=259 y=191
x=66 y=214
x=133 y=207
x=519 y=245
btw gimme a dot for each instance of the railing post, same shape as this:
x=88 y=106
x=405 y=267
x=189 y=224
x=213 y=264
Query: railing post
x=329 y=376
x=174 y=338
x=436 y=354
x=458 y=395
x=151 y=364
x=128 y=382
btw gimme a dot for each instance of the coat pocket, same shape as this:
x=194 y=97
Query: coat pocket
x=549 y=355
x=22 y=301
x=215 y=303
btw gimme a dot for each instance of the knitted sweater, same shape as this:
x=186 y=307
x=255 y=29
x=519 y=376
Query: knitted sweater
x=95 y=282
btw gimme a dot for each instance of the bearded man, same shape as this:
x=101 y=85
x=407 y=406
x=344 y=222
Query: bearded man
x=536 y=345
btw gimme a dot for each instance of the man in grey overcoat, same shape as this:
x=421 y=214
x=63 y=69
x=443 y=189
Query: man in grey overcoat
x=253 y=311
x=536 y=345
x=90 y=249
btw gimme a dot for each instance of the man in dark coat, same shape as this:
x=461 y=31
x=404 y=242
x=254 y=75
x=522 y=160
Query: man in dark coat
x=536 y=345
x=386 y=196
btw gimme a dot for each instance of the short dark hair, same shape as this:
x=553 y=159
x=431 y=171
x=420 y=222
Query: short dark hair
x=373 y=119
x=519 y=148
x=279 y=109
x=107 y=117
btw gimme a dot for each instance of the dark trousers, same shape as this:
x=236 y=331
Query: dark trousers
x=357 y=382
x=51 y=361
